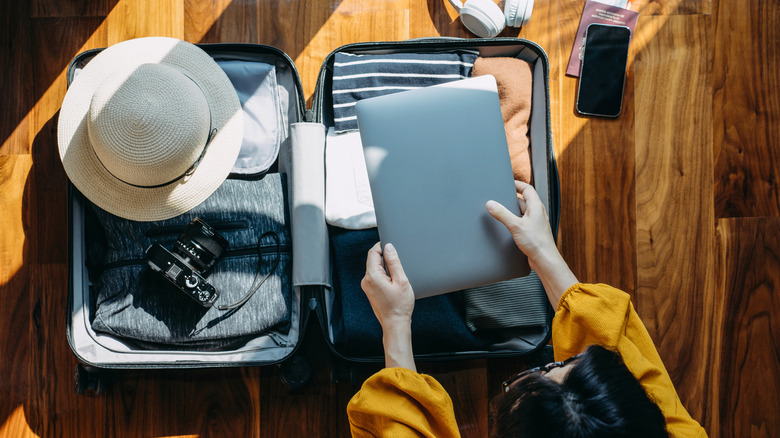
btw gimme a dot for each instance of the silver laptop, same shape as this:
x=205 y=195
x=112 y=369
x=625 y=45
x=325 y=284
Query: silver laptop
x=434 y=157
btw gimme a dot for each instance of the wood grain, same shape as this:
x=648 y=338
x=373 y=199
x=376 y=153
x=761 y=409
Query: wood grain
x=746 y=356
x=465 y=382
x=190 y=402
x=220 y=21
x=698 y=140
x=71 y=8
x=52 y=407
x=15 y=86
x=596 y=166
x=139 y=18
x=14 y=284
x=673 y=7
x=349 y=21
x=675 y=222
x=746 y=101
x=55 y=42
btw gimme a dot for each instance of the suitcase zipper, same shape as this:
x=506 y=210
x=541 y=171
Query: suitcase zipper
x=229 y=253
x=174 y=230
x=277 y=339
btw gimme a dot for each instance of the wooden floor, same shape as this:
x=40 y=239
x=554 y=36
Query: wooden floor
x=676 y=202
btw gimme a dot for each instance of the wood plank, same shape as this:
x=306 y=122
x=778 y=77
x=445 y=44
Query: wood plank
x=14 y=170
x=14 y=283
x=52 y=407
x=205 y=402
x=351 y=21
x=639 y=209
x=203 y=20
x=745 y=369
x=672 y=7
x=746 y=98
x=15 y=87
x=71 y=8
x=55 y=42
x=310 y=411
x=675 y=221
x=465 y=382
x=140 y=18
x=596 y=166
x=319 y=408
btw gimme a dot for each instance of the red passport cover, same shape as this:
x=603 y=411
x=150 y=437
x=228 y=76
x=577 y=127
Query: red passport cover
x=595 y=12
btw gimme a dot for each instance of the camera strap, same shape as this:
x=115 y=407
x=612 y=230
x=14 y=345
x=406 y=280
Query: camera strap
x=255 y=284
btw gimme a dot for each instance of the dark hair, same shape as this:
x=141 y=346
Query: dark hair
x=598 y=398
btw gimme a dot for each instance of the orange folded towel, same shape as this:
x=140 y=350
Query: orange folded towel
x=515 y=85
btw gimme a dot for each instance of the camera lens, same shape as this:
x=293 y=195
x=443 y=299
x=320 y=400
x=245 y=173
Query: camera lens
x=200 y=246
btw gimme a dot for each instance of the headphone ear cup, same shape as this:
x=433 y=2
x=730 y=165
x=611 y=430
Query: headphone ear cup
x=518 y=12
x=483 y=18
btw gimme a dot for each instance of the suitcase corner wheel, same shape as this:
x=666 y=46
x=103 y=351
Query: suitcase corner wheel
x=354 y=373
x=87 y=378
x=295 y=372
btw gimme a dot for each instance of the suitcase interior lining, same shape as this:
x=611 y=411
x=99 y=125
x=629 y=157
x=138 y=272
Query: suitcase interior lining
x=106 y=350
x=520 y=339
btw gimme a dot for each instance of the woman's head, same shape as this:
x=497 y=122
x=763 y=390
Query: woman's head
x=593 y=396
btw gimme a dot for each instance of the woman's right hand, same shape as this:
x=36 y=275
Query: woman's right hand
x=532 y=234
x=531 y=231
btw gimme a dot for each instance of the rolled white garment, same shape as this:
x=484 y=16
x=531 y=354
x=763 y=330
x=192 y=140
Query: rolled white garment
x=348 y=202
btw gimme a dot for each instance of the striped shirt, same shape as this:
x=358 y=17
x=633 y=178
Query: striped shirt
x=357 y=77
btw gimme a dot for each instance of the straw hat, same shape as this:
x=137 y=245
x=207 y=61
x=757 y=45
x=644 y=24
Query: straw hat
x=150 y=128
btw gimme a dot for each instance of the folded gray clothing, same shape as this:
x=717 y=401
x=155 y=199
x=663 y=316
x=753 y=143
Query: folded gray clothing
x=357 y=77
x=520 y=302
x=135 y=303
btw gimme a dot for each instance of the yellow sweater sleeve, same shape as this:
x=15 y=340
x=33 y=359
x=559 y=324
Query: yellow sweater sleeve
x=397 y=402
x=591 y=314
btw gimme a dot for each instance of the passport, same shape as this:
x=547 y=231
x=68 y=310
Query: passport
x=597 y=12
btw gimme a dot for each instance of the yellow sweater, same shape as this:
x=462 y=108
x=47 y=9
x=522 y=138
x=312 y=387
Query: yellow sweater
x=398 y=402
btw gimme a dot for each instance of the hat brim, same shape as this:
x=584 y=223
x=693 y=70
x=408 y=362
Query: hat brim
x=92 y=179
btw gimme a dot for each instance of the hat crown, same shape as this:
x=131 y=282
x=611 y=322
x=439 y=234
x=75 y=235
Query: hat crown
x=149 y=125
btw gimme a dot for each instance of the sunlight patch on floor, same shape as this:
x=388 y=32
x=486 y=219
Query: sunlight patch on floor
x=16 y=425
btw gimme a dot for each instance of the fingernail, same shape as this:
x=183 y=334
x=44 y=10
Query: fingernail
x=491 y=205
x=389 y=249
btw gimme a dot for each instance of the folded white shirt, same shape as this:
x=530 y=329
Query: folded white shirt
x=348 y=202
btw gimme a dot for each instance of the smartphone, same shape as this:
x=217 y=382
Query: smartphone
x=603 y=73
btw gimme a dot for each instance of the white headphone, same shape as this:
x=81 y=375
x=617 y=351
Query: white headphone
x=485 y=19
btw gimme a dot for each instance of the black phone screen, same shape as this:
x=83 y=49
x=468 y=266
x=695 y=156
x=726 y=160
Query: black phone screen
x=603 y=70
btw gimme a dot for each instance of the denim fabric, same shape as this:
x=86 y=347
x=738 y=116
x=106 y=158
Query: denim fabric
x=135 y=303
x=438 y=324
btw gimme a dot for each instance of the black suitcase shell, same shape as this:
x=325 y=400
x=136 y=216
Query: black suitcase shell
x=103 y=351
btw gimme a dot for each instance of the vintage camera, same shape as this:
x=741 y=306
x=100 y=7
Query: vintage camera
x=195 y=252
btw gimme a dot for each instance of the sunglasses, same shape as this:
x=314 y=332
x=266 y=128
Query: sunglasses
x=546 y=368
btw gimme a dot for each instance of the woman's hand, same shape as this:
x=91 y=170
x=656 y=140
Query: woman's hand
x=532 y=234
x=392 y=299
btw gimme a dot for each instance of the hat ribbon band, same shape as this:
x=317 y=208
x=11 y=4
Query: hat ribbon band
x=188 y=172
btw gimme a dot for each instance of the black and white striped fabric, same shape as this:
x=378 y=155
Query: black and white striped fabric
x=516 y=303
x=357 y=77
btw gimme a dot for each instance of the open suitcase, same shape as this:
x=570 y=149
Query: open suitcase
x=314 y=288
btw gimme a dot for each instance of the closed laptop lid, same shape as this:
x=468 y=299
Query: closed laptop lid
x=434 y=157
